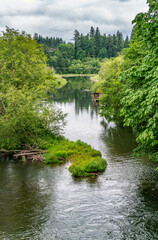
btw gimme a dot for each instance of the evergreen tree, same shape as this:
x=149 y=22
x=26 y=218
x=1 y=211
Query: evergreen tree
x=109 y=46
x=119 y=41
x=92 y=32
x=126 y=42
x=97 y=42
x=114 y=46
x=76 y=39
x=103 y=53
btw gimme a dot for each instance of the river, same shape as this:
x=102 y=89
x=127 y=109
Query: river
x=45 y=203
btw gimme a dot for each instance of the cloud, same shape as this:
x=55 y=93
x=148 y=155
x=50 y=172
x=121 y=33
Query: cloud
x=61 y=17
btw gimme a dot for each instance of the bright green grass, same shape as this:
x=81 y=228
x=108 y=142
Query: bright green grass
x=85 y=160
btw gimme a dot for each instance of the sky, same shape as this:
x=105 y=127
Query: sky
x=59 y=18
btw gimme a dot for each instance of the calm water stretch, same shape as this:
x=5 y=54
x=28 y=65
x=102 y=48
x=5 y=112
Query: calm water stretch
x=46 y=203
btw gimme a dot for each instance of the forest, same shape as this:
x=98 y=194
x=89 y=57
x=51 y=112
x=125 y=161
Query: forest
x=85 y=54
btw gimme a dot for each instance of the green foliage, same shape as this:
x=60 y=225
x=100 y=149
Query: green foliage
x=130 y=84
x=87 y=66
x=110 y=86
x=24 y=82
x=84 y=159
x=85 y=166
x=55 y=157
x=64 y=56
x=140 y=102
x=103 y=53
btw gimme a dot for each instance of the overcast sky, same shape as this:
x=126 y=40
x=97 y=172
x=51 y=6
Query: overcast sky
x=59 y=18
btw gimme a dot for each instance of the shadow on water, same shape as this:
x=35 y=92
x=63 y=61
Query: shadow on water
x=23 y=194
x=119 y=140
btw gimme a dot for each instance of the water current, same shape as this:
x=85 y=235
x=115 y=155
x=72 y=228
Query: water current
x=43 y=202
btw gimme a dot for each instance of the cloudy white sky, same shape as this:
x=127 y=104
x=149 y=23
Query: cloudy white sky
x=59 y=18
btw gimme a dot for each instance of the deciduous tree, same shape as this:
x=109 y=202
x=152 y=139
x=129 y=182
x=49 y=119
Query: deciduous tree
x=24 y=82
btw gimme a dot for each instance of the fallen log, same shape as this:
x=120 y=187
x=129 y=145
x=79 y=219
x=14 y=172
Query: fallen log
x=33 y=155
x=28 y=154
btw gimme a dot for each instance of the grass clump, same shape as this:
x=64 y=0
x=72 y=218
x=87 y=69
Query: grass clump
x=84 y=166
x=85 y=160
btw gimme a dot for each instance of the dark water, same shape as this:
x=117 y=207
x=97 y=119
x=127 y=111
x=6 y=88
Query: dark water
x=45 y=202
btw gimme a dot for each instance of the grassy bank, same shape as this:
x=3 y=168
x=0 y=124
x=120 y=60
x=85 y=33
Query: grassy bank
x=78 y=75
x=84 y=159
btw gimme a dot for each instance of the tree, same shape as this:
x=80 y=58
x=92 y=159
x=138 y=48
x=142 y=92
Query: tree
x=92 y=32
x=119 y=41
x=103 y=53
x=110 y=46
x=81 y=54
x=67 y=50
x=76 y=39
x=140 y=102
x=126 y=42
x=24 y=82
x=97 y=41
x=111 y=88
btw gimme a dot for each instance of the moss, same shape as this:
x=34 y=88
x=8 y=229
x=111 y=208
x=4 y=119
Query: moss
x=85 y=160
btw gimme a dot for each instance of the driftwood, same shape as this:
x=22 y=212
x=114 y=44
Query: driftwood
x=27 y=154
x=9 y=151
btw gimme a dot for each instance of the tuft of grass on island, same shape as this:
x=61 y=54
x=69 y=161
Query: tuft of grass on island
x=85 y=160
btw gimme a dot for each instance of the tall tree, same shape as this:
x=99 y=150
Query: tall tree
x=119 y=41
x=126 y=42
x=97 y=41
x=76 y=39
x=140 y=103
x=24 y=82
x=92 y=32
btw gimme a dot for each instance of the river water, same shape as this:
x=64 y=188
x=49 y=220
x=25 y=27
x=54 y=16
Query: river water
x=46 y=203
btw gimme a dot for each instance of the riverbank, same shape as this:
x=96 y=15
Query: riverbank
x=84 y=159
x=77 y=75
x=93 y=77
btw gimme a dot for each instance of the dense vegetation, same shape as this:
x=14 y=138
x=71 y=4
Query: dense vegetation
x=85 y=54
x=130 y=83
x=24 y=82
x=140 y=101
x=26 y=120
x=111 y=87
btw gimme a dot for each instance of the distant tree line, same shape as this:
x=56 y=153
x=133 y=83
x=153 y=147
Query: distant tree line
x=85 y=53
x=49 y=42
x=99 y=46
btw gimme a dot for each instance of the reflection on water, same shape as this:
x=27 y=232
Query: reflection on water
x=78 y=93
x=45 y=202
